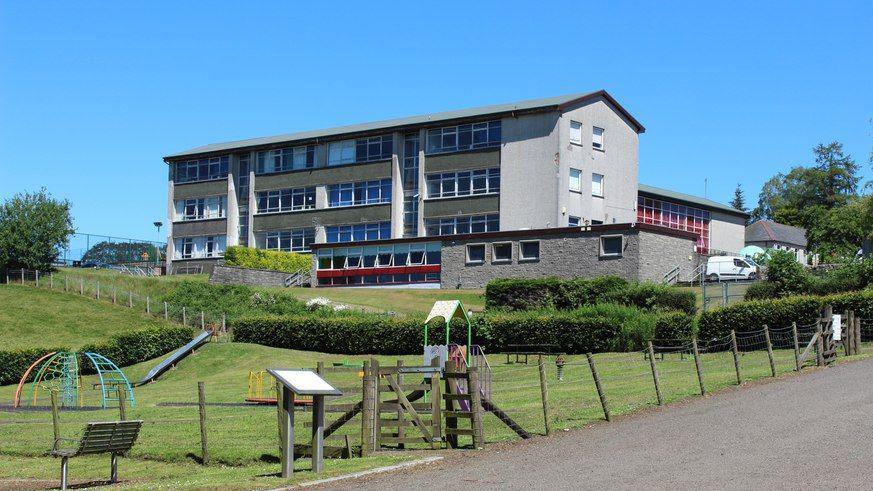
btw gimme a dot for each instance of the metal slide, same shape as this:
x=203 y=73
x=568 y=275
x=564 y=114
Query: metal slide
x=177 y=355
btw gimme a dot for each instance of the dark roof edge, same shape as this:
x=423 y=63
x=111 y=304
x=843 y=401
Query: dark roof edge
x=639 y=126
x=532 y=233
x=696 y=203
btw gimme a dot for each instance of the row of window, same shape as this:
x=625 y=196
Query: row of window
x=465 y=224
x=501 y=252
x=383 y=256
x=200 y=247
x=202 y=169
x=282 y=159
x=358 y=232
x=359 y=193
x=577 y=221
x=286 y=200
x=380 y=279
x=200 y=208
x=466 y=183
x=295 y=240
x=596 y=135
x=596 y=182
x=464 y=137
x=360 y=150
x=677 y=217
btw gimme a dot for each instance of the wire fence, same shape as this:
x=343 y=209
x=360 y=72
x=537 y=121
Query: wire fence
x=108 y=292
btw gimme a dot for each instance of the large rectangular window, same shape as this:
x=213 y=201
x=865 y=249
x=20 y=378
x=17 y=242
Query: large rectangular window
x=466 y=183
x=675 y=216
x=464 y=137
x=359 y=193
x=282 y=159
x=576 y=132
x=361 y=150
x=279 y=200
x=200 y=208
x=208 y=246
x=597 y=138
x=202 y=169
x=575 y=180
x=597 y=185
x=295 y=240
x=358 y=232
x=465 y=224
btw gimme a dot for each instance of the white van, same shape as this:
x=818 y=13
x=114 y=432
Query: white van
x=720 y=268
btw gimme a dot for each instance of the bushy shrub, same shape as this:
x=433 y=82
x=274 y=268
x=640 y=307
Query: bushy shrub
x=516 y=294
x=787 y=275
x=13 y=363
x=652 y=296
x=137 y=346
x=231 y=300
x=861 y=302
x=851 y=276
x=753 y=315
x=602 y=327
x=761 y=290
x=248 y=257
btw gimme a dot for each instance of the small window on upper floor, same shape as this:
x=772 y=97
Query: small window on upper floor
x=576 y=180
x=597 y=185
x=574 y=221
x=597 y=138
x=341 y=152
x=576 y=132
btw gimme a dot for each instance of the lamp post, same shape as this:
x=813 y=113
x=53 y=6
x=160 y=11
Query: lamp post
x=158 y=226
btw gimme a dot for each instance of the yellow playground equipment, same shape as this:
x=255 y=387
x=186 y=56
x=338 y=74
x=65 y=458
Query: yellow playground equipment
x=263 y=390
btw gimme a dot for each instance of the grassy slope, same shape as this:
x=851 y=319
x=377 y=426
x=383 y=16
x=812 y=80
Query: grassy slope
x=31 y=317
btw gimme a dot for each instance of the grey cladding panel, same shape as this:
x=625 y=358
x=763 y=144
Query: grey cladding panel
x=461 y=206
x=200 y=189
x=324 y=175
x=462 y=161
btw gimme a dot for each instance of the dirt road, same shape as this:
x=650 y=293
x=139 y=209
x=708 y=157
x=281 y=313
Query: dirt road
x=811 y=431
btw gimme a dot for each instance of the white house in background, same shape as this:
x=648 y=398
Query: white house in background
x=768 y=234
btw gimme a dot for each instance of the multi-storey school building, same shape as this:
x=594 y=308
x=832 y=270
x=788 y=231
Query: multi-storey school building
x=526 y=169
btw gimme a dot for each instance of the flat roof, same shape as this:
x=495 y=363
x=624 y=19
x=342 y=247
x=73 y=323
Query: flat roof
x=531 y=105
x=612 y=227
x=704 y=203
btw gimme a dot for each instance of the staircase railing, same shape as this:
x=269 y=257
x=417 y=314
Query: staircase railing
x=671 y=276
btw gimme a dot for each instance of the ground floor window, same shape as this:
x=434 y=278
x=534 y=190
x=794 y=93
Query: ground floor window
x=200 y=247
x=295 y=240
x=529 y=250
x=611 y=245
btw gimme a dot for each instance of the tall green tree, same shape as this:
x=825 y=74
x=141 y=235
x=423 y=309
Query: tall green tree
x=839 y=180
x=739 y=201
x=34 y=228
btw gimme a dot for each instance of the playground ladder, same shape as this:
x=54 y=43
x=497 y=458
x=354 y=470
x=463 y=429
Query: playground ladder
x=112 y=378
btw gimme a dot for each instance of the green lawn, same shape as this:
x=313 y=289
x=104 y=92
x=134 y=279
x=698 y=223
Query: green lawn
x=401 y=300
x=31 y=317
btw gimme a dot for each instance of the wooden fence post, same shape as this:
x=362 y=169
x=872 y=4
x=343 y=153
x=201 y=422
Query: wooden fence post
x=56 y=419
x=184 y=316
x=820 y=344
x=475 y=407
x=401 y=430
x=769 y=350
x=37 y=278
x=130 y=299
x=436 y=399
x=114 y=295
x=66 y=284
x=98 y=290
x=122 y=399
x=202 y=321
x=451 y=421
x=858 y=334
x=697 y=365
x=81 y=286
x=796 y=347
x=655 y=374
x=367 y=412
x=166 y=312
x=598 y=386
x=223 y=323
x=201 y=403
x=51 y=281
x=544 y=393
x=148 y=305
x=736 y=353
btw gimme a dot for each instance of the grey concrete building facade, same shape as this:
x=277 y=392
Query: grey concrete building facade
x=567 y=161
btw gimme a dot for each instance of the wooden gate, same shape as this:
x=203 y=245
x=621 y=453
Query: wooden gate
x=402 y=415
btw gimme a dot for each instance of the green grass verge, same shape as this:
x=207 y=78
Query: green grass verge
x=31 y=317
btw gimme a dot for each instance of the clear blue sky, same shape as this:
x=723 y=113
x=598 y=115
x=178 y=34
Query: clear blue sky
x=93 y=95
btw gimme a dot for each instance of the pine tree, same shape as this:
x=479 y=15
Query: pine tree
x=739 y=201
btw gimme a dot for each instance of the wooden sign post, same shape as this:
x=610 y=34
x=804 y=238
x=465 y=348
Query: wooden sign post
x=302 y=383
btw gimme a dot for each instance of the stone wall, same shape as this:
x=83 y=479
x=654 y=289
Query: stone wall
x=232 y=275
x=646 y=255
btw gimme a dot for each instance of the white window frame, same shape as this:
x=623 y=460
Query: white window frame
x=578 y=187
x=575 y=132
x=603 y=253
x=494 y=258
x=594 y=143
x=522 y=257
x=602 y=178
x=476 y=261
x=342 y=157
x=578 y=221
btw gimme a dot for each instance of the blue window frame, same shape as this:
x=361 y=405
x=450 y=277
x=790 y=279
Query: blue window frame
x=358 y=232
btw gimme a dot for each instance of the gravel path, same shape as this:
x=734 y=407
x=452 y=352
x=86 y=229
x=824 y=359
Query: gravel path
x=810 y=431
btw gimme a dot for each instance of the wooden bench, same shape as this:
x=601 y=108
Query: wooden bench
x=112 y=437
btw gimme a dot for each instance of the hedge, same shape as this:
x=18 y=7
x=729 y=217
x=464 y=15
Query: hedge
x=232 y=300
x=248 y=257
x=514 y=294
x=778 y=313
x=123 y=350
x=589 y=329
x=139 y=346
x=13 y=363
